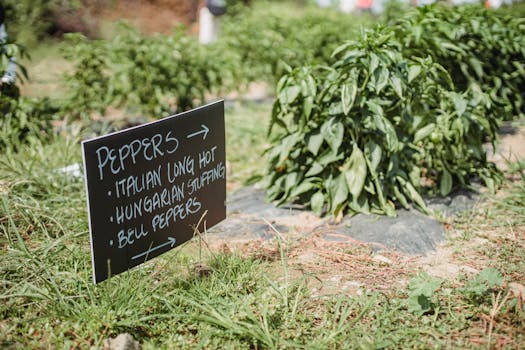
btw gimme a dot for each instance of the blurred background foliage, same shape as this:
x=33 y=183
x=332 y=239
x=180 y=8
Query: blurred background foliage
x=151 y=65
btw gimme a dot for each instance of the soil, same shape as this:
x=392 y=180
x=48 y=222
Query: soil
x=155 y=15
x=346 y=265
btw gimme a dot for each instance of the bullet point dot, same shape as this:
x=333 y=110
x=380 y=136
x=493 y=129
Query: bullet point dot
x=111 y=219
x=109 y=193
x=111 y=242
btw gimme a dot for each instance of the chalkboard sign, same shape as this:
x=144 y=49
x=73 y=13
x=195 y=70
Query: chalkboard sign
x=148 y=187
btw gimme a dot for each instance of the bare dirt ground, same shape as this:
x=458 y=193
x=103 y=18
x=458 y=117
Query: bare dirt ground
x=352 y=267
x=156 y=16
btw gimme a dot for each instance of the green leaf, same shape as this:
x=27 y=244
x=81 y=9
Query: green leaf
x=423 y=284
x=483 y=282
x=315 y=169
x=424 y=132
x=491 y=277
x=374 y=63
x=400 y=197
x=328 y=157
x=289 y=94
x=374 y=153
x=411 y=192
x=315 y=140
x=355 y=172
x=341 y=48
x=308 y=87
x=333 y=132
x=445 y=185
x=335 y=108
x=360 y=205
x=413 y=72
x=290 y=182
x=421 y=291
x=385 y=126
x=287 y=144
x=308 y=105
x=382 y=78
x=489 y=182
x=396 y=84
x=375 y=108
x=302 y=188
x=460 y=103
x=476 y=66
x=452 y=47
x=348 y=92
x=419 y=304
x=338 y=191
x=317 y=202
x=415 y=175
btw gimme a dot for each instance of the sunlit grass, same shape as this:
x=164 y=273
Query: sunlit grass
x=47 y=298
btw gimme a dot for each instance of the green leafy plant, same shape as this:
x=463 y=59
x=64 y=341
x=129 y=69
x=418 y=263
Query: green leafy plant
x=89 y=83
x=483 y=283
x=478 y=47
x=375 y=128
x=421 y=296
x=153 y=75
x=22 y=118
x=268 y=39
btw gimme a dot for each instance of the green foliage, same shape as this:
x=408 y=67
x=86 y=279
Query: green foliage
x=421 y=296
x=516 y=9
x=153 y=75
x=47 y=299
x=28 y=20
x=268 y=39
x=483 y=283
x=373 y=128
x=480 y=48
x=22 y=118
x=162 y=73
x=236 y=7
x=89 y=83
x=25 y=119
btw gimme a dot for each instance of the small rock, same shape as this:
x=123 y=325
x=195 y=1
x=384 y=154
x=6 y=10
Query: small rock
x=202 y=270
x=73 y=170
x=469 y=270
x=382 y=259
x=518 y=291
x=336 y=278
x=123 y=341
x=354 y=285
x=444 y=270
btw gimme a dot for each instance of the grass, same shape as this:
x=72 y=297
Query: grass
x=47 y=299
x=246 y=127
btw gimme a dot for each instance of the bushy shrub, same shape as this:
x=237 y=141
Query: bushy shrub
x=159 y=74
x=269 y=39
x=476 y=46
x=153 y=75
x=88 y=84
x=21 y=118
x=25 y=119
x=374 y=128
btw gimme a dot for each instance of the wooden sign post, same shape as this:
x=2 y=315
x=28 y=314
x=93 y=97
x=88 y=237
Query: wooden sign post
x=148 y=187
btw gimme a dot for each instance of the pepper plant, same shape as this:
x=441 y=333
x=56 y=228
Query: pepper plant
x=373 y=129
x=478 y=47
x=153 y=75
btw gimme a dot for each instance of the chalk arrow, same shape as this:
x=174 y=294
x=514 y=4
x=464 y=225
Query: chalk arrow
x=171 y=242
x=203 y=131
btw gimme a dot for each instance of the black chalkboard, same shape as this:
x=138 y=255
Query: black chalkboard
x=148 y=187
